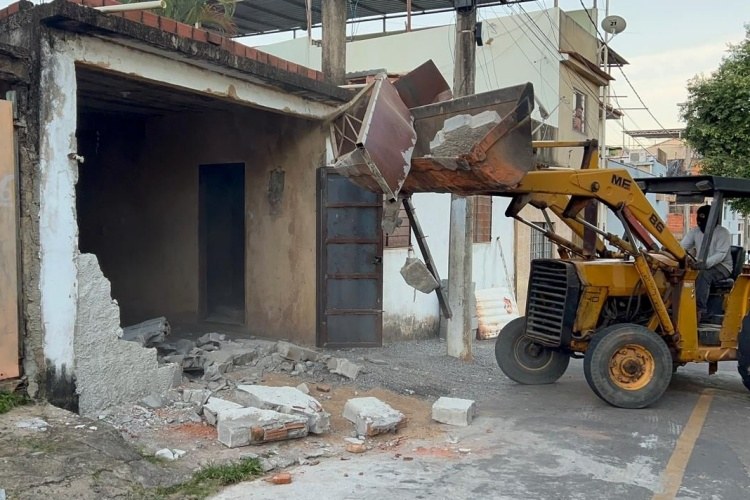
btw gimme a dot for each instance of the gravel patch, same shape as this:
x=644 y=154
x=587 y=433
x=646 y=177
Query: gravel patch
x=422 y=367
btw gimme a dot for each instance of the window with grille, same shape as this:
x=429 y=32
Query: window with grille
x=401 y=237
x=482 y=219
x=541 y=247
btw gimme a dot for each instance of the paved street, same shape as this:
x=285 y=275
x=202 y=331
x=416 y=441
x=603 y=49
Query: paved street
x=559 y=442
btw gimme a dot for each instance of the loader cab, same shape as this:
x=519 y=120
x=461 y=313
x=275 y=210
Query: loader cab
x=716 y=191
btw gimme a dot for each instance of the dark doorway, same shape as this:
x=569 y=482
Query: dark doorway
x=222 y=242
x=350 y=271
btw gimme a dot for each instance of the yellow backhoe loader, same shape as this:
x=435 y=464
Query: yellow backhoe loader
x=626 y=304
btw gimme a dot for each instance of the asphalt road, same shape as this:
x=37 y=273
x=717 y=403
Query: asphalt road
x=559 y=442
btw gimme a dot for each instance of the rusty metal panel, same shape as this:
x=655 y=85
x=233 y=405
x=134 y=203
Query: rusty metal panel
x=8 y=247
x=422 y=86
x=473 y=145
x=349 y=268
x=380 y=158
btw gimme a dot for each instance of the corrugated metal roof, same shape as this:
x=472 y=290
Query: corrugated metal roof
x=267 y=16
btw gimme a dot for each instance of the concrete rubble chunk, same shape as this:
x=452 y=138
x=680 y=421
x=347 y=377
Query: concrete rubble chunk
x=303 y=388
x=214 y=406
x=153 y=401
x=296 y=353
x=148 y=333
x=184 y=346
x=199 y=396
x=344 y=367
x=165 y=454
x=372 y=416
x=286 y=400
x=245 y=426
x=454 y=411
x=211 y=338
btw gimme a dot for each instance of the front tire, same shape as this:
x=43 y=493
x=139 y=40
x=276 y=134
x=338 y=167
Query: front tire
x=628 y=366
x=524 y=361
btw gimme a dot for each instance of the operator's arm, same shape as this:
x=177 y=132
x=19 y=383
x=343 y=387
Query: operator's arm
x=688 y=242
x=719 y=247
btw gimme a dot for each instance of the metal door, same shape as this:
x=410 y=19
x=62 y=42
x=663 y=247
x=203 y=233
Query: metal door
x=350 y=271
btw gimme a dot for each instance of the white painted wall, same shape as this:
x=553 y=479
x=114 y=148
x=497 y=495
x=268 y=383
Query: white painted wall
x=509 y=55
x=58 y=229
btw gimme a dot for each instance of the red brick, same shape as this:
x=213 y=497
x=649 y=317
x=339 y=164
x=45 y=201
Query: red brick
x=150 y=19
x=251 y=53
x=291 y=67
x=200 y=35
x=283 y=64
x=227 y=44
x=79 y=2
x=312 y=74
x=111 y=2
x=319 y=76
x=184 y=31
x=168 y=25
x=301 y=70
x=93 y=3
x=133 y=15
x=238 y=49
x=4 y=13
x=262 y=57
x=214 y=38
x=13 y=8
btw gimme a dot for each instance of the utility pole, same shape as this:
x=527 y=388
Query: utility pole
x=462 y=214
x=334 y=41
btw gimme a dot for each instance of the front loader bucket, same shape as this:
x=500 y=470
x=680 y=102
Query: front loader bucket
x=473 y=145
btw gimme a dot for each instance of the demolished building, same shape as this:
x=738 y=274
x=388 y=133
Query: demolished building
x=129 y=128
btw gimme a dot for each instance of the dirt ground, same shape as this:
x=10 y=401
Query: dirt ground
x=74 y=457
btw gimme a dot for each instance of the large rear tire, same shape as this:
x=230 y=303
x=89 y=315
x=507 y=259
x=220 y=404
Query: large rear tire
x=523 y=360
x=628 y=366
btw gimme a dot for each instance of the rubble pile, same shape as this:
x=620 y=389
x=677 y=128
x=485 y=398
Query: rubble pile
x=212 y=356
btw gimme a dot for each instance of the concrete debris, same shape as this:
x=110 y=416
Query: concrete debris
x=303 y=388
x=461 y=132
x=2 y=494
x=199 y=396
x=167 y=454
x=35 y=424
x=417 y=276
x=454 y=411
x=245 y=426
x=296 y=353
x=211 y=338
x=214 y=406
x=371 y=416
x=391 y=220
x=352 y=440
x=153 y=401
x=286 y=400
x=323 y=387
x=376 y=361
x=344 y=367
x=184 y=346
x=149 y=333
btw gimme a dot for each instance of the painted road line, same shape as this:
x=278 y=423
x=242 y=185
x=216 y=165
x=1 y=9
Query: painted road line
x=673 y=474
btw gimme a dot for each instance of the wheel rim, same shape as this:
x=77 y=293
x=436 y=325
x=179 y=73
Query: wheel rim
x=531 y=355
x=632 y=367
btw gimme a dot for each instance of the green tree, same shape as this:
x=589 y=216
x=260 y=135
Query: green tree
x=717 y=116
x=216 y=15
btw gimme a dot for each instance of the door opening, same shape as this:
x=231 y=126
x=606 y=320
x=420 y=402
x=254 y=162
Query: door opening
x=222 y=242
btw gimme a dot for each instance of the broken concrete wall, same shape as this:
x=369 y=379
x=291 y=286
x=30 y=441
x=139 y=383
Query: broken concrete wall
x=140 y=214
x=110 y=371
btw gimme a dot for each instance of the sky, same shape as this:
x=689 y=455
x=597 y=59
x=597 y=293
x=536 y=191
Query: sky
x=666 y=42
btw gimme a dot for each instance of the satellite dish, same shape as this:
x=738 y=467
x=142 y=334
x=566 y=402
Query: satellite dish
x=614 y=24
